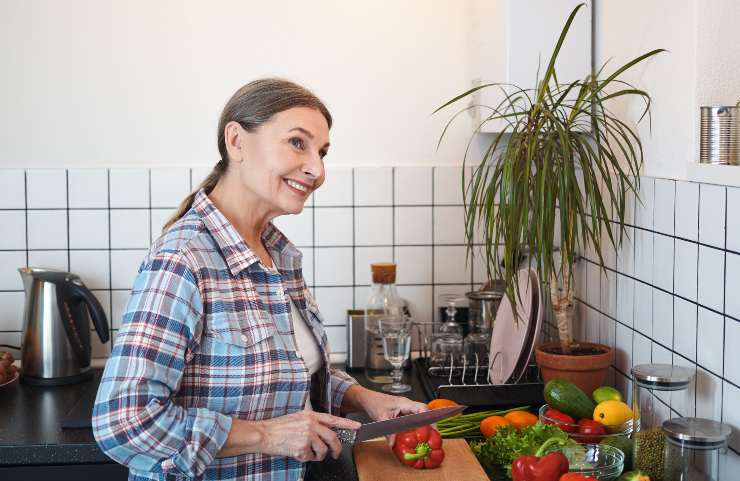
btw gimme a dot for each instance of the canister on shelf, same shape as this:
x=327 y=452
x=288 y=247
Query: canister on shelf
x=693 y=448
x=655 y=389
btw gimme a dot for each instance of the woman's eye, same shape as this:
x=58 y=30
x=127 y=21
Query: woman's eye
x=297 y=142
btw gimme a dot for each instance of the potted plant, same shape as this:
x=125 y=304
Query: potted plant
x=550 y=180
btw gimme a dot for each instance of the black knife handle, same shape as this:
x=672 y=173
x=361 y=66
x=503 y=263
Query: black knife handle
x=346 y=436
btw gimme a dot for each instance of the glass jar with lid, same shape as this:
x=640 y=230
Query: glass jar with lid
x=693 y=448
x=656 y=387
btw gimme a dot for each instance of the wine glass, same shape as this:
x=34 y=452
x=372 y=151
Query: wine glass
x=396 y=335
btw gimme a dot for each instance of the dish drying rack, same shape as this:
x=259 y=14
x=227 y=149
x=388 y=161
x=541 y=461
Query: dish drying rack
x=470 y=384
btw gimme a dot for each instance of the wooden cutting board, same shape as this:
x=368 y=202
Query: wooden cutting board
x=376 y=462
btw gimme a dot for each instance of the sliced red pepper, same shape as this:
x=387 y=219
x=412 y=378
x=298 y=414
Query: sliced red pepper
x=420 y=448
x=546 y=468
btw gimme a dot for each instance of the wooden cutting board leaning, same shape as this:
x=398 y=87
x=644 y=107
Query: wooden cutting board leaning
x=375 y=462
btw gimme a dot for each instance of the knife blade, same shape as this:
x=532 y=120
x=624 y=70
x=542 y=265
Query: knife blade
x=395 y=425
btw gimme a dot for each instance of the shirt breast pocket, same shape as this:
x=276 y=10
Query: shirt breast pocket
x=247 y=331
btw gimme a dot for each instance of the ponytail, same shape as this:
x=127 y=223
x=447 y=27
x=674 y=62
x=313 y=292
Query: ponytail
x=208 y=184
x=251 y=106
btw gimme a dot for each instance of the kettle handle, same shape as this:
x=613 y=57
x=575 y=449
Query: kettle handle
x=97 y=314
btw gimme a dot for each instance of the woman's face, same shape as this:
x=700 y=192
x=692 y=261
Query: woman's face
x=281 y=161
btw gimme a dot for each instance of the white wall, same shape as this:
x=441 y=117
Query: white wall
x=89 y=83
x=700 y=68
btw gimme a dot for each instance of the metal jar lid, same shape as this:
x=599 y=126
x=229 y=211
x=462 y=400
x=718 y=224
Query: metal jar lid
x=493 y=290
x=664 y=377
x=696 y=433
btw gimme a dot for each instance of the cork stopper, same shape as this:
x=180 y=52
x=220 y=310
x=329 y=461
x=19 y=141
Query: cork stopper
x=383 y=272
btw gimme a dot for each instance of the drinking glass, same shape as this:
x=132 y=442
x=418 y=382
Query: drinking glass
x=396 y=335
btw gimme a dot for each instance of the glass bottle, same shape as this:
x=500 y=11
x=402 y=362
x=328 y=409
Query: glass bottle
x=656 y=388
x=384 y=301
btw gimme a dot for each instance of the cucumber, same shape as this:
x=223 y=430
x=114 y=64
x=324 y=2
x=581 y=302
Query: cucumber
x=568 y=398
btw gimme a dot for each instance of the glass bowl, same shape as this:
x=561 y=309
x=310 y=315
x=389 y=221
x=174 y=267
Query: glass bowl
x=602 y=462
x=572 y=429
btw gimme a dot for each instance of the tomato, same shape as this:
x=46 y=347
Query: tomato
x=490 y=425
x=520 y=419
x=589 y=427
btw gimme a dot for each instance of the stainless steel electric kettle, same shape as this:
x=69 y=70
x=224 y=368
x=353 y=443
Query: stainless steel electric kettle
x=55 y=345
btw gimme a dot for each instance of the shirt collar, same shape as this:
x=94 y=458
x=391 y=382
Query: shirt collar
x=239 y=256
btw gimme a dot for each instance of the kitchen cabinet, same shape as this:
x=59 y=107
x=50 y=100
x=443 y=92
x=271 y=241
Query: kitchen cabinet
x=512 y=40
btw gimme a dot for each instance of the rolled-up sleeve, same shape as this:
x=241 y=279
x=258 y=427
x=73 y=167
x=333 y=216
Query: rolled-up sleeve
x=340 y=382
x=135 y=420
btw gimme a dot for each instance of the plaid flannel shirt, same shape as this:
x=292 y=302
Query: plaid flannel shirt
x=206 y=337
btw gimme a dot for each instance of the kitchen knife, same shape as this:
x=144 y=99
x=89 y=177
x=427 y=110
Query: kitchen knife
x=395 y=425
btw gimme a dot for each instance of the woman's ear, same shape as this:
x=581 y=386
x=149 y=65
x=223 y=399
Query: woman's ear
x=234 y=139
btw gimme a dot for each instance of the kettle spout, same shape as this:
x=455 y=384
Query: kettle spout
x=27 y=276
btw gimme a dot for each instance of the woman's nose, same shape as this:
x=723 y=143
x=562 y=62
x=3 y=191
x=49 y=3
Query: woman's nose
x=314 y=167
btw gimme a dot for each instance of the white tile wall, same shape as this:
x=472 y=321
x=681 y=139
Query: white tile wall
x=733 y=221
x=297 y=227
x=47 y=229
x=712 y=215
x=333 y=226
x=13 y=189
x=413 y=225
x=14 y=230
x=687 y=210
x=364 y=256
x=373 y=226
x=659 y=307
x=129 y=188
x=88 y=229
x=677 y=296
x=711 y=281
x=665 y=191
x=88 y=188
x=129 y=229
x=449 y=225
x=373 y=186
x=414 y=264
x=413 y=185
x=47 y=189
x=336 y=190
x=169 y=186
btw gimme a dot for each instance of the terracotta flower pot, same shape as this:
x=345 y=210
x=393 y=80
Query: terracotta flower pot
x=586 y=366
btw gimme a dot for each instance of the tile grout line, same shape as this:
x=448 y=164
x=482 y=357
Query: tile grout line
x=25 y=199
x=69 y=253
x=110 y=262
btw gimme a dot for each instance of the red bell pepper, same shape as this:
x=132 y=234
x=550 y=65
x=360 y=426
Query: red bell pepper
x=420 y=448
x=546 y=468
x=589 y=427
x=576 y=477
x=561 y=420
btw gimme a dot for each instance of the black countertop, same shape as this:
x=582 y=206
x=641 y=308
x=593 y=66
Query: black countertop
x=31 y=433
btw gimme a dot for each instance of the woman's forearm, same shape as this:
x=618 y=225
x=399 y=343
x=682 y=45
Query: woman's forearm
x=244 y=437
x=353 y=397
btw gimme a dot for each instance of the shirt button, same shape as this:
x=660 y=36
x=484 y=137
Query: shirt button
x=280 y=292
x=298 y=355
x=244 y=337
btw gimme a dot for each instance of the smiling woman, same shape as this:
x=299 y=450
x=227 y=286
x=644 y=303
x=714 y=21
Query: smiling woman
x=221 y=366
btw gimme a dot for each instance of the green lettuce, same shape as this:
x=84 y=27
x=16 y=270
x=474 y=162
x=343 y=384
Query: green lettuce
x=508 y=444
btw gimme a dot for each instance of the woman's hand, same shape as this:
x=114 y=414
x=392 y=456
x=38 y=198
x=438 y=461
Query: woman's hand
x=305 y=435
x=380 y=406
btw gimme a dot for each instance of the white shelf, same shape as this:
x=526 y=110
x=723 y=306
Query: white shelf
x=714 y=174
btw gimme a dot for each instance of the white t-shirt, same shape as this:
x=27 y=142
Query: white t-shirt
x=306 y=346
